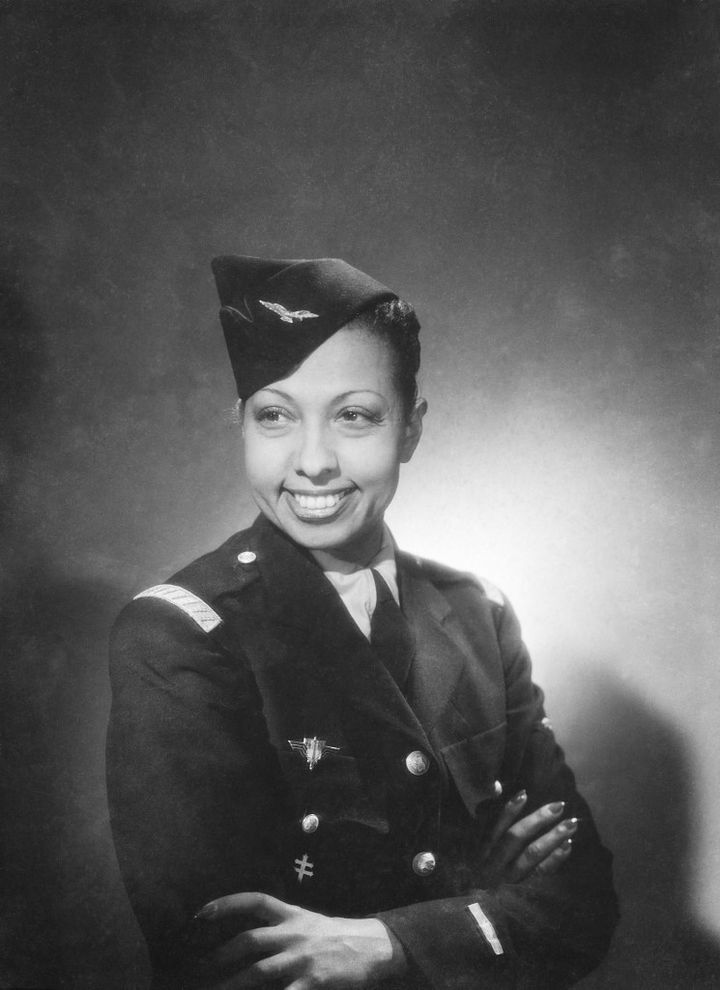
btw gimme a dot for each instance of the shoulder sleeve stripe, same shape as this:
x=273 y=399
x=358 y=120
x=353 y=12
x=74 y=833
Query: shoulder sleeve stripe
x=493 y=593
x=187 y=602
x=487 y=928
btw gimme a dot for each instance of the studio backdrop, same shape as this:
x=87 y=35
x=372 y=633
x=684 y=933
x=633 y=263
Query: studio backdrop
x=539 y=177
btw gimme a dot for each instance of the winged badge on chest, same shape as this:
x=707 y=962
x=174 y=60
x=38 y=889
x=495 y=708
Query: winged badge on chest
x=313 y=749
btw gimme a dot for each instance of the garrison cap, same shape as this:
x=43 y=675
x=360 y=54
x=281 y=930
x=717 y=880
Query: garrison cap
x=275 y=313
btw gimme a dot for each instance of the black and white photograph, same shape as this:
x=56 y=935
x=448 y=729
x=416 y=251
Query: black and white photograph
x=360 y=449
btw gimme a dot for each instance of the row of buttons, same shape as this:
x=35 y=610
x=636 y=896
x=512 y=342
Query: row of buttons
x=417 y=764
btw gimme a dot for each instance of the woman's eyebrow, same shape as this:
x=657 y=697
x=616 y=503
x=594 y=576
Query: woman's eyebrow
x=335 y=398
x=358 y=391
x=278 y=392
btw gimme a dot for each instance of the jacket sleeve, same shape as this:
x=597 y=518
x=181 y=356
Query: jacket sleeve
x=543 y=932
x=190 y=775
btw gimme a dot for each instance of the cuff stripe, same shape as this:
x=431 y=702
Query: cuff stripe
x=487 y=928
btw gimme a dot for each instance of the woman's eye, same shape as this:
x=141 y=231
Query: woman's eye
x=361 y=416
x=272 y=416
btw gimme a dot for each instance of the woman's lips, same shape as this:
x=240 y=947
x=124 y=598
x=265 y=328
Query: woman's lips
x=320 y=506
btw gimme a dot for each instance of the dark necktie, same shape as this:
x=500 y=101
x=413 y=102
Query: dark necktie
x=390 y=635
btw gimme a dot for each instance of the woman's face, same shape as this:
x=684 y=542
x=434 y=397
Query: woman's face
x=323 y=447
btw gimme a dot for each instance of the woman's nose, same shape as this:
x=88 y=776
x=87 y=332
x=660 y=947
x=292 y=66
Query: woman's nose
x=316 y=457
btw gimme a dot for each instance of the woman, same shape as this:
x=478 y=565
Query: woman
x=309 y=785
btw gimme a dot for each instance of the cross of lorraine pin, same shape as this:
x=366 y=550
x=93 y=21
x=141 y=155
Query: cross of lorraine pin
x=303 y=867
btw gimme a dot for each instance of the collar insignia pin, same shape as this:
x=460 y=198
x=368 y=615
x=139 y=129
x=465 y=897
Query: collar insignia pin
x=288 y=315
x=313 y=749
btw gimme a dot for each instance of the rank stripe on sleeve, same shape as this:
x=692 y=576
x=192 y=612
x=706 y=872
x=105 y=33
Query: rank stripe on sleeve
x=487 y=928
x=198 y=610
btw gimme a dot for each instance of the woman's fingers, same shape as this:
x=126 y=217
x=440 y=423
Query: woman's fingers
x=508 y=815
x=257 y=941
x=547 y=852
x=555 y=860
x=523 y=832
x=253 y=903
x=539 y=842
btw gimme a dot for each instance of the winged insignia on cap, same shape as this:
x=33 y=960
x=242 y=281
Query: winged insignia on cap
x=288 y=315
x=312 y=748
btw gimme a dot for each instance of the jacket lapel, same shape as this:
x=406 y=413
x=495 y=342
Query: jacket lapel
x=441 y=654
x=315 y=670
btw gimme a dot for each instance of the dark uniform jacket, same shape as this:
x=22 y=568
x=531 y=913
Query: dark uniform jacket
x=208 y=797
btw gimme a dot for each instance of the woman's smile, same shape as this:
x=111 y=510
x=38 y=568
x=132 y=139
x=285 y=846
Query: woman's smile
x=317 y=506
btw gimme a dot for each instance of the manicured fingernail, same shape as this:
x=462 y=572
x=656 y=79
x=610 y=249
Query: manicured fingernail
x=205 y=912
x=519 y=797
x=566 y=846
x=557 y=808
x=570 y=825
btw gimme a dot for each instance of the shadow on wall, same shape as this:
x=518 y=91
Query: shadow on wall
x=64 y=919
x=634 y=769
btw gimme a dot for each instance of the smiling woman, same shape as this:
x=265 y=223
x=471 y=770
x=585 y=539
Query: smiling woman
x=323 y=452
x=363 y=787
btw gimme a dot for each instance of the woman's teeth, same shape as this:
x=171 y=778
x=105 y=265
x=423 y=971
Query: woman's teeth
x=318 y=501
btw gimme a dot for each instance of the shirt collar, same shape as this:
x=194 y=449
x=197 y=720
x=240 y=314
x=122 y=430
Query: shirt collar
x=354 y=582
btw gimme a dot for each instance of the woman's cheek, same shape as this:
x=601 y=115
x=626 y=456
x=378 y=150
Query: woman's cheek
x=263 y=455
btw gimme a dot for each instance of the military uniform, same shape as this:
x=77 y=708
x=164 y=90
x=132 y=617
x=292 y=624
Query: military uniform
x=226 y=684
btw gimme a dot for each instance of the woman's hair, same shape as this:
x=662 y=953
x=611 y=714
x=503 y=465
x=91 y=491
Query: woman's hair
x=393 y=321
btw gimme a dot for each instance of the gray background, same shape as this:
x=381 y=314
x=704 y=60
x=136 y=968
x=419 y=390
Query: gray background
x=541 y=179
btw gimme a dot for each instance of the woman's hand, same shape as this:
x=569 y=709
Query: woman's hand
x=299 y=949
x=538 y=843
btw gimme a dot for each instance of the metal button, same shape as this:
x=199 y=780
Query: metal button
x=310 y=823
x=417 y=763
x=497 y=789
x=247 y=557
x=423 y=864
